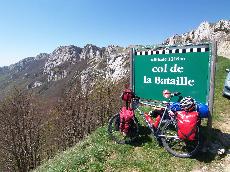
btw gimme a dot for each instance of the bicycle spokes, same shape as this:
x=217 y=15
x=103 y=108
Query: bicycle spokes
x=176 y=146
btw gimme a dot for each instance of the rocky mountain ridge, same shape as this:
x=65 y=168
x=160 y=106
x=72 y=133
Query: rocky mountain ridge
x=67 y=62
x=206 y=31
x=106 y=60
x=91 y=62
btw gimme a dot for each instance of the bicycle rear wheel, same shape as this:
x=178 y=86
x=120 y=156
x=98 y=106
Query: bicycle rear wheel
x=115 y=133
x=174 y=145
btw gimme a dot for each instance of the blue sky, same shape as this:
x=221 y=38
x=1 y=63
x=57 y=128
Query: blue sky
x=30 y=27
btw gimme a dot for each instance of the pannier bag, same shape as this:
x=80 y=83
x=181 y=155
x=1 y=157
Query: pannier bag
x=187 y=125
x=127 y=95
x=203 y=110
x=126 y=119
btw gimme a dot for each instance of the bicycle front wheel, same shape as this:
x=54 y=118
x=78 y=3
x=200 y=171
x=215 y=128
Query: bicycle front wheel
x=119 y=137
x=174 y=145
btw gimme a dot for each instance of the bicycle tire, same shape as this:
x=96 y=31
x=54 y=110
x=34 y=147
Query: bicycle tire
x=116 y=135
x=178 y=147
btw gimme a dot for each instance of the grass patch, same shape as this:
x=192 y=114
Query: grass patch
x=221 y=104
x=98 y=153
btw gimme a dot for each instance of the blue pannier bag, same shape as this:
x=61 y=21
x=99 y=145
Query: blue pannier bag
x=203 y=110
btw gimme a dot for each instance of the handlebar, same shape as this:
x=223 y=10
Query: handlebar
x=172 y=94
x=175 y=94
x=155 y=103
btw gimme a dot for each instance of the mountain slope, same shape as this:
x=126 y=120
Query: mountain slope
x=22 y=74
x=97 y=153
x=50 y=74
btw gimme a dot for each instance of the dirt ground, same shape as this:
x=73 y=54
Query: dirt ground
x=219 y=149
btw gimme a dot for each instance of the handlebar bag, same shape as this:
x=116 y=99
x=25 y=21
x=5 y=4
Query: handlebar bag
x=127 y=95
x=175 y=106
x=126 y=119
x=187 y=125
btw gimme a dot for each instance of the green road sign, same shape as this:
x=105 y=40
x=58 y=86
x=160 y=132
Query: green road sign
x=184 y=69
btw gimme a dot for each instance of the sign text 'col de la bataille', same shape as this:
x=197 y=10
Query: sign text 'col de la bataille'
x=183 y=69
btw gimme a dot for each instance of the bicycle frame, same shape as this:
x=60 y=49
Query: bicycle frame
x=164 y=105
x=153 y=129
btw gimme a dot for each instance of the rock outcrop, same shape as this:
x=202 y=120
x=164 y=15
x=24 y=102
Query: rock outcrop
x=207 y=32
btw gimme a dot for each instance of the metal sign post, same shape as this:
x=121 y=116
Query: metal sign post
x=212 y=82
x=131 y=54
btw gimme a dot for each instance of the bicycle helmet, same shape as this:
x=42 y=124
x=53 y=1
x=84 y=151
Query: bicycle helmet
x=187 y=104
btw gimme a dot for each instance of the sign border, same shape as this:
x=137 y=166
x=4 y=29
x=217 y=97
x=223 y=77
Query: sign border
x=211 y=75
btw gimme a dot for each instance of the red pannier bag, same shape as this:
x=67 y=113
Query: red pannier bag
x=126 y=118
x=187 y=125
